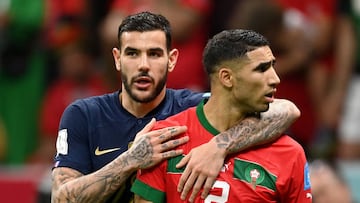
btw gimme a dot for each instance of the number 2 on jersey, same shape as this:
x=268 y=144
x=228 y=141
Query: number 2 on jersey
x=224 y=195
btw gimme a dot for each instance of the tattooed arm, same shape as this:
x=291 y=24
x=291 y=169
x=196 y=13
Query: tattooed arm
x=203 y=163
x=149 y=148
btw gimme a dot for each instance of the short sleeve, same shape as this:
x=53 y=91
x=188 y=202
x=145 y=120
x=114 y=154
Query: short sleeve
x=299 y=187
x=72 y=143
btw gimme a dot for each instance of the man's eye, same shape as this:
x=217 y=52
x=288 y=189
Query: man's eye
x=131 y=53
x=154 y=54
x=262 y=68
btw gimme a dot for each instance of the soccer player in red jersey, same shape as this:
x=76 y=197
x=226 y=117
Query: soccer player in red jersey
x=240 y=65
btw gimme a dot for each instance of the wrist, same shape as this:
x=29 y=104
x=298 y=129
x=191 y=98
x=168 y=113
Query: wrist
x=220 y=145
x=129 y=161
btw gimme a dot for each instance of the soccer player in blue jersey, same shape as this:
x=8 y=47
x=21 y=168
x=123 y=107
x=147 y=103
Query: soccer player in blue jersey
x=104 y=140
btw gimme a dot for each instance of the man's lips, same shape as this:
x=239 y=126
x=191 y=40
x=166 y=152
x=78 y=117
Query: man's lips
x=270 y=96
x=142 y=82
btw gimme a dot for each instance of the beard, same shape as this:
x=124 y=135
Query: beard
x=140 y=98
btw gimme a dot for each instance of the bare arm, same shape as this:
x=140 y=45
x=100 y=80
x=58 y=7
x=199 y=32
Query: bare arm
x=256 y=131
x=149 y=148
x=203 y=163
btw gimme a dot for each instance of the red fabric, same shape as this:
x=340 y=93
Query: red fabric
x=311 y=7
x=61 y=31
x=20 y=184
x=284 y=159
x=59 y=96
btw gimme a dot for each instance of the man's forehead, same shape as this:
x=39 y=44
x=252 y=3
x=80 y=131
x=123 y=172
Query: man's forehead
x=263 y=53
x=153 y=39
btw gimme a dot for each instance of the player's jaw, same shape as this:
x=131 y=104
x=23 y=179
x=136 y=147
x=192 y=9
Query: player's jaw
x=143 y=88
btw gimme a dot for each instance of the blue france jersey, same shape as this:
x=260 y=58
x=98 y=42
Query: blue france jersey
x=100 y=123
x=95 y=130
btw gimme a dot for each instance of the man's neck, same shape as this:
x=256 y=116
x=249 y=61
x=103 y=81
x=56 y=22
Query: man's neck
x=222 y=115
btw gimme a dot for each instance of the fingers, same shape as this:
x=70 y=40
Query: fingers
x=172 y=153
x=161 y=135
x=173 y=143
x=169 y=133
x=188 y=184
x=184 y=176
x=207 y=187
x=198 y=184
x=183 y=162
x=164 y=139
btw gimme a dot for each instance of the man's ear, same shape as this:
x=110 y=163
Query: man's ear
x=173 y=56
x=116 y=55
x=225 y=76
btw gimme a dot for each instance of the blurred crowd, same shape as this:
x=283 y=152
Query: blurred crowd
x=56 y=51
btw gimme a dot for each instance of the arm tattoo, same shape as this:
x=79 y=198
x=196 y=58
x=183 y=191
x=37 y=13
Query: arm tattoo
x=70 y=185
x=254 y=131
x=142 y=153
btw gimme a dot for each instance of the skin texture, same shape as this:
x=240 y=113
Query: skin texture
x=143 y=61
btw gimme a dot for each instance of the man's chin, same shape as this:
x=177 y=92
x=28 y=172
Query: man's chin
x=264 y=108
x=143 y=97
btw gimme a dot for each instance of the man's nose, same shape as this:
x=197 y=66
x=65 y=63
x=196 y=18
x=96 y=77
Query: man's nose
x=274 y=78
x=144 y=62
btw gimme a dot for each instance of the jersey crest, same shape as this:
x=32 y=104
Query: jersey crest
x=254 y=174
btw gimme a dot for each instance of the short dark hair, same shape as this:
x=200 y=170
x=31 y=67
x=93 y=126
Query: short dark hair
x=146 y=21
x=229 y=45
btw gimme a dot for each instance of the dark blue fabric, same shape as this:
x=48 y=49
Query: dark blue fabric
x=102 y=122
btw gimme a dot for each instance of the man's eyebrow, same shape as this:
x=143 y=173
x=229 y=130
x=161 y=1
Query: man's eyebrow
x=157 y=49
x=130 y=49
x=266 y=64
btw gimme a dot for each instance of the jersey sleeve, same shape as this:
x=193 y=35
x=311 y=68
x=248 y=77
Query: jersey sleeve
x=299 y=187
x=150 y=183
x=72 y=143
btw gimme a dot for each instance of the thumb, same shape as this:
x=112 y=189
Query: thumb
x=183 y=161
x=147 y=128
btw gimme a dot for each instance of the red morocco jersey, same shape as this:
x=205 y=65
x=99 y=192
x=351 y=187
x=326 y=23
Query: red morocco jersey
x=276 y=172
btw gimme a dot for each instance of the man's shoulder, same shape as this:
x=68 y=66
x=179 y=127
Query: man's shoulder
x=92 y=105
x=185 y=96
x=287 y=140
x=288 y=146
x=94 y=101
